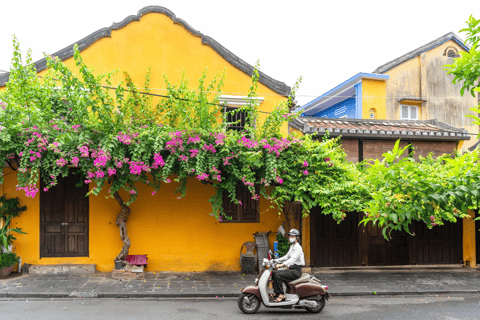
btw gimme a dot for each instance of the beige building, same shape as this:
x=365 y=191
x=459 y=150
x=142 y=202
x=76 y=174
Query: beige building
x=419 y=87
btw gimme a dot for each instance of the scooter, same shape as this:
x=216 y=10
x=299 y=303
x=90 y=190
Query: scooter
x=304 y=293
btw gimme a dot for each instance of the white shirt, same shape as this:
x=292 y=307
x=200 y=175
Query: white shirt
x=294 y=256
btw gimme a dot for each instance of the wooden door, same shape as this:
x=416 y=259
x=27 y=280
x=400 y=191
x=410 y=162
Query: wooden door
x=334 y=244
x=383 y=252
x=64 y=219
x=439 y=245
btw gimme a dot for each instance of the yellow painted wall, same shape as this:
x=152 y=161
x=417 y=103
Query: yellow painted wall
x=177 y=235
x=469 y=244
x=373 y=96
x=155 y=41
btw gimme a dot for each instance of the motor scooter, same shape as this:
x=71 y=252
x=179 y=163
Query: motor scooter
x=304 y=293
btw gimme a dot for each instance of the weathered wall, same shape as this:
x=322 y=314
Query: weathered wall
x=424 y=77
x=404 y=82
x=177 y=235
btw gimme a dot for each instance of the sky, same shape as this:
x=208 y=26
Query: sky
x=325 y=42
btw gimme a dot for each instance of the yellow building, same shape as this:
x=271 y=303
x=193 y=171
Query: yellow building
x=177 y=235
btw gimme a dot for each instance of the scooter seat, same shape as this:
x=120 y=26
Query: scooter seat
x=305 y=277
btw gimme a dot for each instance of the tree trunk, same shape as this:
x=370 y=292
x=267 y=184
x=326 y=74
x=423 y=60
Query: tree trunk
x=122 y=225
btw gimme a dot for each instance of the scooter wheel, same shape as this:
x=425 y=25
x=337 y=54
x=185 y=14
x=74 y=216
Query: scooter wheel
x=248 y=303
x=321 y=304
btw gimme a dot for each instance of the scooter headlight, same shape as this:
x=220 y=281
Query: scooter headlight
x=256 y=281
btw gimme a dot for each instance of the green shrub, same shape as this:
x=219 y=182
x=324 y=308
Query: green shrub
x=283 y=245
x=8 y=259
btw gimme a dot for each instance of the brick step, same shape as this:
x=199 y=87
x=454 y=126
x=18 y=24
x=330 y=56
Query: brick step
x=61 y=269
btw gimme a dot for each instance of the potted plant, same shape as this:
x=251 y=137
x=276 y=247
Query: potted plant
x=9 y=208
x=7 y=261
x=6 y=238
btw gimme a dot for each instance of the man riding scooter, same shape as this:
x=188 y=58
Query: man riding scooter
x=294 y=260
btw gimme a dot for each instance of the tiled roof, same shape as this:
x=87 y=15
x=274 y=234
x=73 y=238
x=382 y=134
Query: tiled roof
x=386 y=129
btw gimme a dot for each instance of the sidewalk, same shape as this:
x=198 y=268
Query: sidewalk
x=341 y=281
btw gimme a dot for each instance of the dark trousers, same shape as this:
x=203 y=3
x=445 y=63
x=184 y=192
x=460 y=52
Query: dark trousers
x=281 y=276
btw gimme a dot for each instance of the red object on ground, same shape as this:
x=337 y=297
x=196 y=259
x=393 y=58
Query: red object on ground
x=137 y=260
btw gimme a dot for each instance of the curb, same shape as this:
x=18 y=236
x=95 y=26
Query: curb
x=99 y=295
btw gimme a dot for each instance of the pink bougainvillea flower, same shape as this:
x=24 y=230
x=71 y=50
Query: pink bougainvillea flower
x=158 y=161
x=305 y=164
x=193 y=152
x=209 y=147
x=153 y=193
x=111 y=171
x=133 y=191
x=84 y=151
x=75 y=161
x=61 y=162
x=305 y=172
x=100 y=174
x=202 y=176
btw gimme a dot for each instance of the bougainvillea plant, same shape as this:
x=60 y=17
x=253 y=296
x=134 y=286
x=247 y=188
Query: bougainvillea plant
x=119 y=136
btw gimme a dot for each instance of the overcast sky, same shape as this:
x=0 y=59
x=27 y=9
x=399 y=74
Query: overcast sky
x=326 y=42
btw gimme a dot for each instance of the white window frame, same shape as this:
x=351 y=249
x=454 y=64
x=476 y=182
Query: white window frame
x=410 y=107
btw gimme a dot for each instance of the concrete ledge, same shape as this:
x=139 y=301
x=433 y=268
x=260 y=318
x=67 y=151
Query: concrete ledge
x=85 y=269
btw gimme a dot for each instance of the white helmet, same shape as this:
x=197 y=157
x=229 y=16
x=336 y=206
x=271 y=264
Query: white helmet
x=294 y=232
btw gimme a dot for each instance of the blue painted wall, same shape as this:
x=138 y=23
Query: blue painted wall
x=358 y=98
x=345 y=107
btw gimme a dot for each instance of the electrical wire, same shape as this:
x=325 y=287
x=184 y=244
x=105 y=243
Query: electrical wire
x=297 y=95
x=216 y=104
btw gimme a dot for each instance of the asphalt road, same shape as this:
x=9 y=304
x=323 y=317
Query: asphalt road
x=433 y=307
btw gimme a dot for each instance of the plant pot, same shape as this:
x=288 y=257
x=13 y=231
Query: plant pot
x=4 y=272
x=119 y=264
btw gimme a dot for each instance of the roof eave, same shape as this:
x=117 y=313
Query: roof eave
x=392 y=136
x=341 y=87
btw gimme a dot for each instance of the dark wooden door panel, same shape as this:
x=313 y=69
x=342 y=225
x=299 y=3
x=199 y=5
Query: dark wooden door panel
x=383 y=252
x=441 y=244
x=64 y=219
x=334 y=244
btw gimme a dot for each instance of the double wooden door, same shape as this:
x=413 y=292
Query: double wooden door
x=349 y=243
x=64 y=219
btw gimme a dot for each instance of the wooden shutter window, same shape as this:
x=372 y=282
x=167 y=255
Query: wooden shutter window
x=248 y=211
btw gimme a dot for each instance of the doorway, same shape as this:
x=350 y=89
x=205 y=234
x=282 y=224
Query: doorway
x=64 y=212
